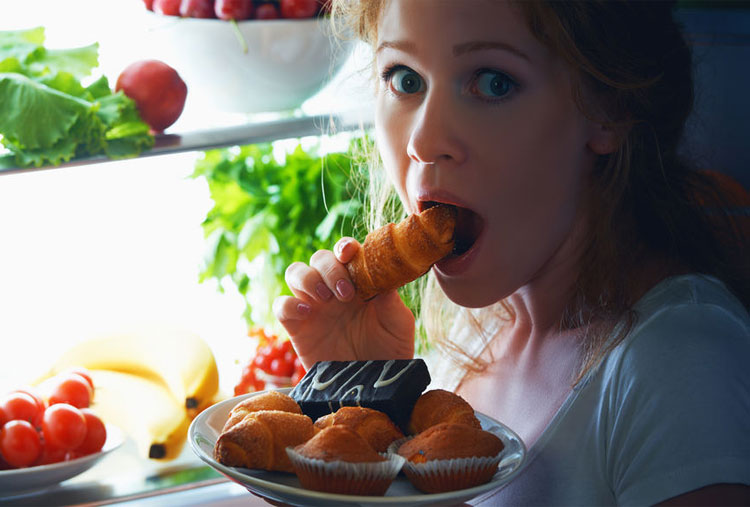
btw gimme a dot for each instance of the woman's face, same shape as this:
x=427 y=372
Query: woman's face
x=473 y=111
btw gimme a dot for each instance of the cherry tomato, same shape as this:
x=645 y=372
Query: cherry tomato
x=64 y=426
x=73 y=389
x=287 y=346
x=267 y=11
x=262 y=362
x=83 y=372
x=3 y=417
x=157 y=89
x=233 y=9
x=298 y=9
x=197 y=9
x=50 y=454
x=96 y=434
x=149 y=4
x=19 y=443
x=22 y=406
x=166 y=7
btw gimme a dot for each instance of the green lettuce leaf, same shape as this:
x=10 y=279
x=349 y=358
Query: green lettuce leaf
x=47 y=116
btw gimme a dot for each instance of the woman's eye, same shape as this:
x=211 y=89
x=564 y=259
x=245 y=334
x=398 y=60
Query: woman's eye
x=493 y=84
x=406 y=81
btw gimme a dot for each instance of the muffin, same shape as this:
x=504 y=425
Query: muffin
x=269 y=400
x=440 y=406
x=260 y=440
x=448 y=456
x=372 y=425
x=338 y=460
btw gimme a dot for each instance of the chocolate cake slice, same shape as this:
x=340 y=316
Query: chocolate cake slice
x=391 y=386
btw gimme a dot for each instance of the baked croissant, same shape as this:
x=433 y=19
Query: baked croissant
x=397 y=254
x=261 y=438
x=269 y=400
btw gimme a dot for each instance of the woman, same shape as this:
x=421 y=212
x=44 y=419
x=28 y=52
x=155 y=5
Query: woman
x=594 y=306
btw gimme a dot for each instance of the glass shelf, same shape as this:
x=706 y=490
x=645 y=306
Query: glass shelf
x=250 y=133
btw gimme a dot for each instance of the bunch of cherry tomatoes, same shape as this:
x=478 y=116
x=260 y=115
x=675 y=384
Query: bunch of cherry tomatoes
x=275 y=362
x=35 y=430
x=239 y=9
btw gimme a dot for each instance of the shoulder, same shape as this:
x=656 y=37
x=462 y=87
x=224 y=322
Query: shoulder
x=686 y=322
x=680 y=378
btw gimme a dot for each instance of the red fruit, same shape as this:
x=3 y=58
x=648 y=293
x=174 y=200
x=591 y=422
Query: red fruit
x=21 y=406
x=73 y=389
x=233 y=9
x=197 y=9
x=299 y=9
x=157 y=89
x=149 y=4
x=267 y=11
x=20 y=444
x=83 y=372
x=50 y=454
x=96 y=434
x=64 y=426
x=3 y=418
x=166 y=7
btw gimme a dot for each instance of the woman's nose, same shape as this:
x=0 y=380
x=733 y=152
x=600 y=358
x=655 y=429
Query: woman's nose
x=434 y=135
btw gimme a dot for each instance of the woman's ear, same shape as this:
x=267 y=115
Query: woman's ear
x=604 y=138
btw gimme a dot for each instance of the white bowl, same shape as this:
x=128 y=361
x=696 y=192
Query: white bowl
x=257 y=66
x=23 y=480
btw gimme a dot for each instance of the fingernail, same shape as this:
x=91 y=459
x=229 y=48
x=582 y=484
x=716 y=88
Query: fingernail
x=323 y=291
x=303 y=308
x=340 y=247
x=344 y=289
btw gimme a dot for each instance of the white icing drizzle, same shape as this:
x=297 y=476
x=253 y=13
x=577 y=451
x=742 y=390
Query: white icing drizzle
x=317 y=385
x=335 y=395
x=383 y=382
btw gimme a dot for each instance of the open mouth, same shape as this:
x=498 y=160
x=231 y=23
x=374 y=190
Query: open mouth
x=469 y=226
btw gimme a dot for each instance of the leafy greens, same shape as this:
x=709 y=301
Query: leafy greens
x=47 y=116
x=269 y=213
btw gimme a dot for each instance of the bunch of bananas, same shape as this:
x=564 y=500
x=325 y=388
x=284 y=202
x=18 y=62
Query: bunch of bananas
x=150 y=383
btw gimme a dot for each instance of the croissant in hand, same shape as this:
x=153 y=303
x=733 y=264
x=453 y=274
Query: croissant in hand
x=397 y=254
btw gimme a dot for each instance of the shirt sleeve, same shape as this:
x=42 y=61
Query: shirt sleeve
x=679 y=411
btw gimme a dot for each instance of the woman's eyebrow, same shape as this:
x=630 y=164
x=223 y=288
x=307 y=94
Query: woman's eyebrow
x=401 y=45
x=467 y=47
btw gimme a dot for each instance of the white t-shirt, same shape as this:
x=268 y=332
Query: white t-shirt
x=667 y=411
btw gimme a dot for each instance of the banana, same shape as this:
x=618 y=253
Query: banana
x=144 y=409
x=179 y=359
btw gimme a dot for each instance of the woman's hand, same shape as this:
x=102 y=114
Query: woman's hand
x=327 y=321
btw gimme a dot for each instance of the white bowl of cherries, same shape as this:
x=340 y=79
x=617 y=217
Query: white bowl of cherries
x=247 y=55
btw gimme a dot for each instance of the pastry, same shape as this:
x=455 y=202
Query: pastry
x=390 y=386
x=260 y=440
x=269 y=400
x=397 y=254
x=372 y=425
x=438 y=406
x=338 y=460
x=448 y=457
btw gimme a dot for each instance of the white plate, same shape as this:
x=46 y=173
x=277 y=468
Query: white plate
x=282 y=487
x=22 y=479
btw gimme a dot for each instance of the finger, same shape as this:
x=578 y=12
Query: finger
x=290 y=310
x=345 y=248
x=333 y=273
x=307 y=283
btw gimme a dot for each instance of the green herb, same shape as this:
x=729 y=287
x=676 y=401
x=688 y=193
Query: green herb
x=269 y=213
x=47 y=116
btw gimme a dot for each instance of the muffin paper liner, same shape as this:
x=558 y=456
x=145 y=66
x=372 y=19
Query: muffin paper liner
x=343 y=477
x=441 y=475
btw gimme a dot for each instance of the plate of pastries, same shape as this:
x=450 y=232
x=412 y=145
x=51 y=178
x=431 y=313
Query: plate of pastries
x=358 y=432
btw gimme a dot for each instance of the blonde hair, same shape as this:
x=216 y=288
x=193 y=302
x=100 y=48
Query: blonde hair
x=647 y=200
